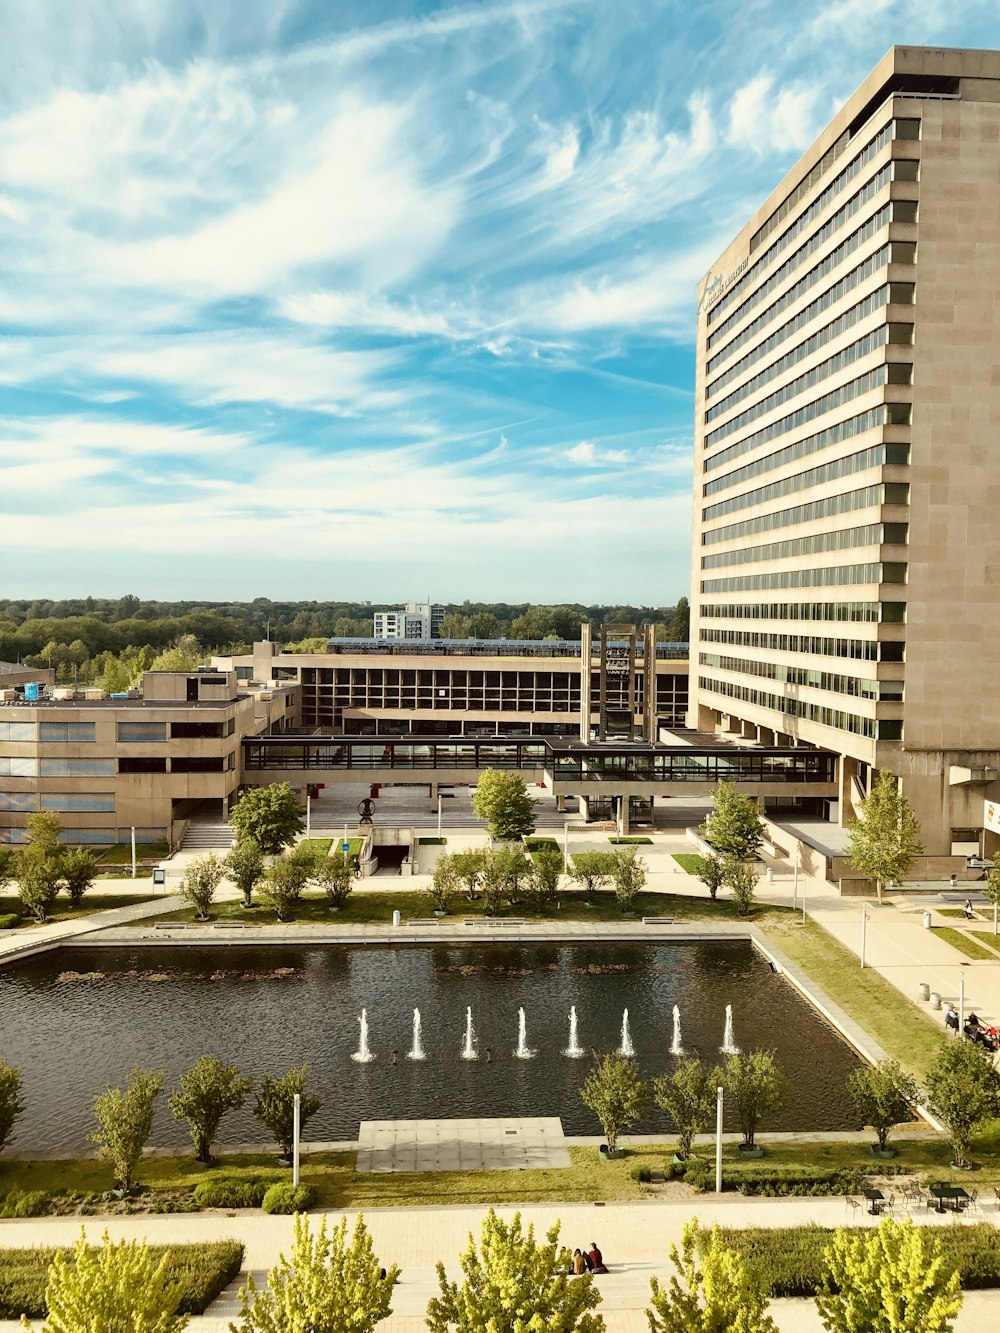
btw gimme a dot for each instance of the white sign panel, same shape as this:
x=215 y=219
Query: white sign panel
x=991 y=816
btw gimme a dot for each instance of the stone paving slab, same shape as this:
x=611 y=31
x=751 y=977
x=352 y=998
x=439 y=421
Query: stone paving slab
x=461 y=1145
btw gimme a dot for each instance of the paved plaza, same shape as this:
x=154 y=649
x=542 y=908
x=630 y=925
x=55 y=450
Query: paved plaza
x=461 y=1145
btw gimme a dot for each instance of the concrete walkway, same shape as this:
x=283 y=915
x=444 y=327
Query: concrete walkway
x=635 y=1239
x=30 y=940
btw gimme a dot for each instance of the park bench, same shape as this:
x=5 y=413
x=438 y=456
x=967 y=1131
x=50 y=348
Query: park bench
x=233 y=925
x=657 y=920
x=494 y=921
x=423 y=921
x=171 y=925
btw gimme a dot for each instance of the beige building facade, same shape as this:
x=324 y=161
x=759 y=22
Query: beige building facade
x=846 y=540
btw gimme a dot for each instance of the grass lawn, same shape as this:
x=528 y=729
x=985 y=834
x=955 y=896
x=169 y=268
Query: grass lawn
x=61 y=910
x=892 y=1020
x=637 y=839
x=432 y=842
x=959 y=940
x=987 y=937
x=536 y=844
x=365 y=906
x=324 y=846
x=121 y=853
x=688 y=861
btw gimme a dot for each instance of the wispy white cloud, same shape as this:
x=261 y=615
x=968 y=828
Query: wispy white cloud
x=769 y=120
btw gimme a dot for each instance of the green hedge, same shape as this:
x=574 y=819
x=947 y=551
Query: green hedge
x=289 y=1198
x=25 y=1203
x=201 y=1271
x=772 y=1180
x=8 y=920
x=790 y=1259
x=234 y=1191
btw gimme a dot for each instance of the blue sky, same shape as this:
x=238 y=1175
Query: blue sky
x=383 y=299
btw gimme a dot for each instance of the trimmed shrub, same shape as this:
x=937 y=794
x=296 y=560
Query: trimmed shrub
x=25 y=1203
x=233 y=1191
x=771 y=1180
x=790 y=1259
x=8 y=920
x=202 y=1271
x=287 y=1198
x=643 y=1174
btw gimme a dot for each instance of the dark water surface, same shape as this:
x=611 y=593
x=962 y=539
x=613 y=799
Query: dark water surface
x=76 y=1021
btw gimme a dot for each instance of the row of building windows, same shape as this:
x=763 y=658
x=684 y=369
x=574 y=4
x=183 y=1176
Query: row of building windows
x=827 y=402
x=879 y=259
x=871 y=303
x=847 y=356
x=874 y=456
x=840 y=539
x=804 y=220
x=877 y=572
x=30 y=767
x=64 y=802
x=832 y=682
x=887 y=613
x=833 y=260
x=861 y=650
x=95 y=837
x=892 y=492
x=818 y=239
x=52 y=733
x=886 y=729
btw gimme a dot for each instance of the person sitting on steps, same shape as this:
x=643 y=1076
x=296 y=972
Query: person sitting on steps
x=596 y=1259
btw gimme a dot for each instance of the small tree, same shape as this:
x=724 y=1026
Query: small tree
x=688 y=1096
x=963 y=1090
x=741 y=878
x=592 y=870
x=201 y=879
x=6 y=866
x=208 y=1090
x=713 y=1291
x=733 y=828
x=275 y=1107
x=991 y=888
x=125 y=1121
x=38 y=874
x=629 y=875
x=545 y=879
x=502 y=800
x=271 y=816
x=119 y=1288
x=282 y=885
x=11 y=1105
x=711 y=871
x=469 y=867
x=757 y=1085
x=245 y=865
x=883 y=1096
x=616 y=1094
x=332 y=1283
x=44 y=829
x=495 y=884
x=891 y=1280
x=78 y=870
x=445 y=883
x=335 y=876
x=512 y=1285
x=885 y=839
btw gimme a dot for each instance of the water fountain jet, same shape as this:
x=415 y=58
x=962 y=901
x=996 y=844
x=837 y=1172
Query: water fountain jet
x=469 y=1050
x=729 y=1046
x=523 y=1051
x=626 y=1047
x=417 y=1049
x=363 y=1055
x=675 y=1046
x=574 y=1050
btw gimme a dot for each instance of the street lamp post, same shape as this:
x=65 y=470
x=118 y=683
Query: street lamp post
x=864 y=923
x=718 y=1140
x=296 y=1130
x=439 y=814
x=961 y=1004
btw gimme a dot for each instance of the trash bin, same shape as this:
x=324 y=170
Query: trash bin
x=927 y=921
x=397 y=918
x=935 y=1000
x=925 y=991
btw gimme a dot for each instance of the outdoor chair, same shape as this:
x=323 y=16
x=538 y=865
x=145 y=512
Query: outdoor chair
x=996 y=1193
x=973 y=1199
x=851 y=1204
x=889 y=1204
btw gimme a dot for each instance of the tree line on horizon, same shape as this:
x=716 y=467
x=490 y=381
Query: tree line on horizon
x=113 y=640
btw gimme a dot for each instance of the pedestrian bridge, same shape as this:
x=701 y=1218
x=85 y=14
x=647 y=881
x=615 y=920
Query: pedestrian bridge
x=568 y=767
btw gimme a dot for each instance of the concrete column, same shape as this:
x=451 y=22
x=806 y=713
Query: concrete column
x=847 y=771
x=586 y=653
x=584 y=804
x=560 y=805
x=623 y=824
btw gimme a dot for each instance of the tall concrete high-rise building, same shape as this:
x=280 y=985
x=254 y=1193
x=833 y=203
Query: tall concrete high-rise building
x=846 y=554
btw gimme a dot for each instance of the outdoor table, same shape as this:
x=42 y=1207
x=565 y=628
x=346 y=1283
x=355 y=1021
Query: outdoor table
x=949 y=1196
x=875 y=1200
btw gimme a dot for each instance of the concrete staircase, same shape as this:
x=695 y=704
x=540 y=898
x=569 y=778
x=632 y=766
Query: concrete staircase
x=206 y=837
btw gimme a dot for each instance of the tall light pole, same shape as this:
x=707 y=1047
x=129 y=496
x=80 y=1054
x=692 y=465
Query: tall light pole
x=961 y=1004
x=798 y=849
x=439 y=814
x=718 y=1140
x=296 y=1130
x=864 y=923
x=309 y=805
x=566 y=848
x=795 y=877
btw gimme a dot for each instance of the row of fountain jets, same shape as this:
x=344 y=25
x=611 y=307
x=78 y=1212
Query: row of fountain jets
x=470 y=1047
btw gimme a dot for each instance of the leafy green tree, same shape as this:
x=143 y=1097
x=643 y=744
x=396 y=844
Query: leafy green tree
x=733 y=828
x=44 y=829
x=282 y=884
x=495 y=885
x=741 y=878
x=991 y=888
x=125 y=1121
x=245 y=865
x=548 y=622
x=469 y=866
x=335 y=876
x=6 y=866
x=713 y=1291
x=629 y=875
x=963 y=1090
x=757 y=1085
x=592 y=870
x=38 y=874
x=616 y=1094
x=891 y=1280
x=512 y=1284
x=512 y=869
x=201 y=879
x=679 y=630
x=688 y=1096
x=11 y=1105
x=445 y=883
x=711 y=871
x=271 y=816
x=332 y=1283
x=883 y=1096
x=119 y=1288
x=549 y=865
x=502 y=800
x=275 y=1107
x=884 y=841
x=77 y=872
x=207 y=1091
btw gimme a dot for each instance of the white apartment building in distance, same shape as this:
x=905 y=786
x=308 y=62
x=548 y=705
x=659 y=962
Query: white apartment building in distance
x=415 y=620
x=846 y=552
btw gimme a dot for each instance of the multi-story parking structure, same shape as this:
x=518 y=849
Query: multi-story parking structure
x=846 y=541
